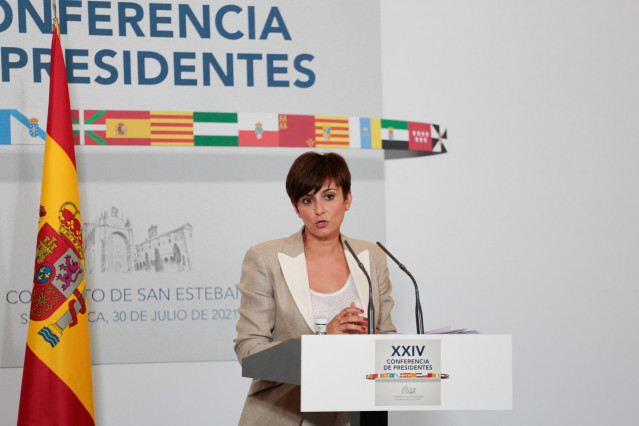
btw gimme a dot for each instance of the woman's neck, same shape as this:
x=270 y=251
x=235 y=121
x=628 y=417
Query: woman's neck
x=317 y=247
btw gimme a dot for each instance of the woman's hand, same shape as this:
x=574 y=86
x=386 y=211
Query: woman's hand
x=348 y=321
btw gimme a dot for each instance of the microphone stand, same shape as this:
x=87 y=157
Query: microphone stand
x=371 y=309
x=419 y=315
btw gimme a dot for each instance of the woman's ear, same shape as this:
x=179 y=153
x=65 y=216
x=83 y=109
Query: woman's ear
x=348 y=200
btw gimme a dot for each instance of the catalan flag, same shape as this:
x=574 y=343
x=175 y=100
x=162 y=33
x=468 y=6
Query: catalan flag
x=331 y=132
x=171 y=128
x=57 y=387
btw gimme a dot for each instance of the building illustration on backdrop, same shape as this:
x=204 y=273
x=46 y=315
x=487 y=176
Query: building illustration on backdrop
x=109 y=246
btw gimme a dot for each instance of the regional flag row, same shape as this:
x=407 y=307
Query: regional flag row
x=115 y=127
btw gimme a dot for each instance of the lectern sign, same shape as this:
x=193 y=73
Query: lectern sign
x=390 y=372
x=408 y=372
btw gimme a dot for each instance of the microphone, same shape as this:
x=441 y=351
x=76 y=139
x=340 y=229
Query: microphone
x=419 y=315
x=371 y=309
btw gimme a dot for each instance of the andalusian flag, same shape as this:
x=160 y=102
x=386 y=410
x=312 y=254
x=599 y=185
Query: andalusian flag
x=215 y=129
x=56 y=382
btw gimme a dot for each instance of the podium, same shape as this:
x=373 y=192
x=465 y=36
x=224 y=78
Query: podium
x=369 y=375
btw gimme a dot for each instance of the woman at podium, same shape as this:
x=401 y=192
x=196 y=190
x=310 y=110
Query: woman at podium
x=288 y=284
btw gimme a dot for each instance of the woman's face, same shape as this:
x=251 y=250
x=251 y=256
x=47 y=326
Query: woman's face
x=323 y=211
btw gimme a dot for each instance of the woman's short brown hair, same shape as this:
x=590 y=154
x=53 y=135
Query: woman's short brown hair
x=311 y=170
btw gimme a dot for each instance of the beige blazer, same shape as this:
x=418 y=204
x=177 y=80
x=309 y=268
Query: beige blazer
x=276 y=306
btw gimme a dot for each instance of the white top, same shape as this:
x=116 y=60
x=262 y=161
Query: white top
x=327 y=305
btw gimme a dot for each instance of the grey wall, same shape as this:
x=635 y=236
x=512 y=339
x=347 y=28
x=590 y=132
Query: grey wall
x=529 y=226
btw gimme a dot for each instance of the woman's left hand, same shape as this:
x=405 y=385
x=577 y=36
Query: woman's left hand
x=348 y=321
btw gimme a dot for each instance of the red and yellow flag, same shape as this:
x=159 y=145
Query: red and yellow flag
x=57 y=387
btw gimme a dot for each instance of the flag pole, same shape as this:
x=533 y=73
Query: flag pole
x=56 y=22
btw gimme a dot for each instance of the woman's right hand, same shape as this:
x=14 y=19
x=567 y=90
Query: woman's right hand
x=348 y=321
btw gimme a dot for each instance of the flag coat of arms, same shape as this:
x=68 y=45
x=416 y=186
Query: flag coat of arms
x=331 y=132
x=297 y=130
x=117 y=127
x=419 y=137
x=258 y=129
x=57 y=386
x=16 y=128
x=394 y=134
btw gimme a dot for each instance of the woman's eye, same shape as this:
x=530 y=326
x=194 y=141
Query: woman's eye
x=330 y=196
x=306 y=201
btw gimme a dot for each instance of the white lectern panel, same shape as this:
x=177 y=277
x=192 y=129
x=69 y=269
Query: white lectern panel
x=335 y=369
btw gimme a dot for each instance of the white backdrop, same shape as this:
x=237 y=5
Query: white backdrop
x=222 y=199
x=528 y=226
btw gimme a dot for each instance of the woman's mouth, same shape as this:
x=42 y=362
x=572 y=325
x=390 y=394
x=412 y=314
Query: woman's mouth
x=321 y=223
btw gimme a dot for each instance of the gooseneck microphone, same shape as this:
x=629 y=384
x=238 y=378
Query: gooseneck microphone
x=371 y=309
x=419 y=315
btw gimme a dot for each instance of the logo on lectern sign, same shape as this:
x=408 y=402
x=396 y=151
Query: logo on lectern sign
x=408 y=372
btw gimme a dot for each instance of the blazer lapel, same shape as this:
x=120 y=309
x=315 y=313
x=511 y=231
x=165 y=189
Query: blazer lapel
x=296 y=276
x=361 y=283
x=293 y=265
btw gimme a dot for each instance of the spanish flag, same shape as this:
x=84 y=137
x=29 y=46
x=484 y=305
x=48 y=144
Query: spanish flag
x=57 y=387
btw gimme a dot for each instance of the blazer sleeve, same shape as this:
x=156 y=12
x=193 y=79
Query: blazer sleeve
x=257 y=307
x=386 y=303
